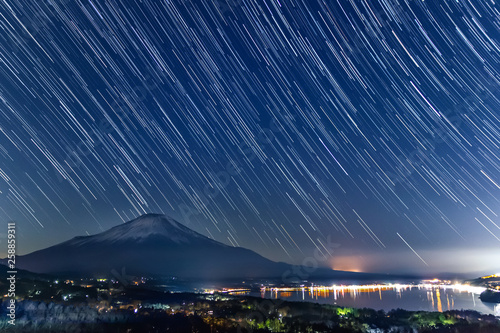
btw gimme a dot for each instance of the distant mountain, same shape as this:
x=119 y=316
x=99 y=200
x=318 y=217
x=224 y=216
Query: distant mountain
x=157 y=245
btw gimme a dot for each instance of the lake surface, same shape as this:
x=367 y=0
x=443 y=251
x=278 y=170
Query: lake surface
x=413 y=298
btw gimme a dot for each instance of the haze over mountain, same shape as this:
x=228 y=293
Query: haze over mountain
x=154 y=244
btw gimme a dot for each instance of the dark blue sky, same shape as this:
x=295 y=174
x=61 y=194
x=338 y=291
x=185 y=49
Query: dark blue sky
x=364 y=131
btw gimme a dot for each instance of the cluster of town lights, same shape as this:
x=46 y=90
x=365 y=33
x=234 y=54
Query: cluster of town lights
x=377 y=287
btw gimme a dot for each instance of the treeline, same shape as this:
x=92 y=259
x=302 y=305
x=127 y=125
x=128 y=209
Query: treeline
x=238 y=315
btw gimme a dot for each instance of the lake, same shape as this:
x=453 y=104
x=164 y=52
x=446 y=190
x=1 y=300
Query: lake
x=380 y=297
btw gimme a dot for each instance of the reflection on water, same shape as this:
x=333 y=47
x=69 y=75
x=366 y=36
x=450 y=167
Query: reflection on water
x=386 y=297
x=494 y=307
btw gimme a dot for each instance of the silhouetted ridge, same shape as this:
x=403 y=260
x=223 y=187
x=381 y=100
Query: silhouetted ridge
x=154 y=244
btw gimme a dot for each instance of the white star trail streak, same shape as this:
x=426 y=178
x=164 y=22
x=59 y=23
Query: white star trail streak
x=262 y=124
x=419 y=257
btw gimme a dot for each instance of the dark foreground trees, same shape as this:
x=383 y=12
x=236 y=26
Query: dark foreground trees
x=194 y=313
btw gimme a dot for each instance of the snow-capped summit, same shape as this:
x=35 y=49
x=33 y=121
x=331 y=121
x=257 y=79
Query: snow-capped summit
x=144 y=228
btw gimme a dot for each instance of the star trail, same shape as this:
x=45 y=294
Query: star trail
x=276 y=125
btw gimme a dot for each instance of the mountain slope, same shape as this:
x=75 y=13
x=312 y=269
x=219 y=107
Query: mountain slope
x=153 y=244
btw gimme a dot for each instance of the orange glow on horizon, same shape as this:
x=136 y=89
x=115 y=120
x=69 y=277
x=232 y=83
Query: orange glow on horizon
x=348 y=263
x=346 y=268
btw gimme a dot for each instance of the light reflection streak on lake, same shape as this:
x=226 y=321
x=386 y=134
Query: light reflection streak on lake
x=421 y=297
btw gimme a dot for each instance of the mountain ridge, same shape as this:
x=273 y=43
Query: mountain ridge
x=143 y=227
x=157 y=245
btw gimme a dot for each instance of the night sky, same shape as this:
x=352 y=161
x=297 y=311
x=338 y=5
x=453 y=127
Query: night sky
x=366 y=131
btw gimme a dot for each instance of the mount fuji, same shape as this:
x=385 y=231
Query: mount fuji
x=157 y=245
